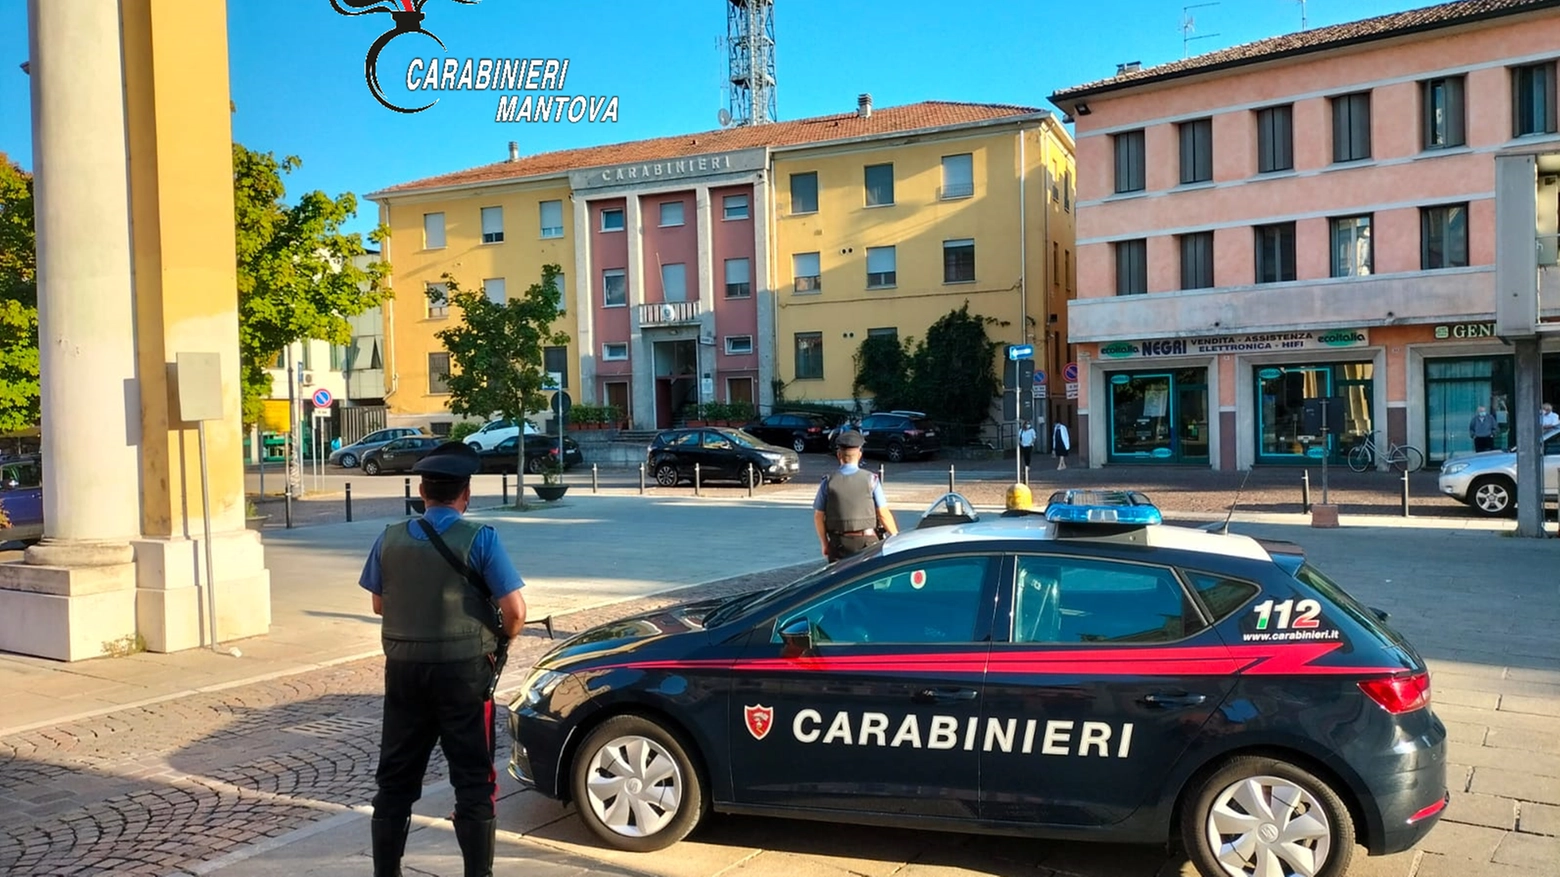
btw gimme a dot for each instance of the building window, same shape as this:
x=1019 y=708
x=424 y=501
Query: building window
x=1351 y=126
x=881 y=264
x=1351 y=246
x=884 y=332
x=494 y=288
x=561 y=283
x=433 y=231
x=614 y=288
x=438 y=374
x=437 y=295
x=612 y=220
x=959 y=261
x=1067 y=191
x=739 y=345
x=671 y=213
x=1129 y=162
x=338 y=357
x=492 y=225
x=1196 y=151
x=555 y=361
x=1445 y=116
x=1533 y=99
x=880 y=184
x=1131 y=267
x=739 y=278
x=734 y=207
x=804 y=193
x=1275 y=140
x=614 y=352
x=1197 y=260
x=1275 y=252
x=552 y=219
x=674 y=282
x=809 y=356
x=1443 y=237
x=958 y=176
x=804 y=267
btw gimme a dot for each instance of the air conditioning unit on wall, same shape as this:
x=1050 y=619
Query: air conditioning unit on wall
x=307 y=379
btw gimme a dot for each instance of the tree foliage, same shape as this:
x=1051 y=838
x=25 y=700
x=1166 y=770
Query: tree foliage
x=951 y=375
x=18 y=300
x=296 y=274
x=496 y=350
x=883 y=369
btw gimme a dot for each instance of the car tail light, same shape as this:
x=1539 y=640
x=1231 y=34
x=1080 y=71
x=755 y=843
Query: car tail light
x=912 y=433
x=1399 y=694
x=553 y=451
x=814 y=429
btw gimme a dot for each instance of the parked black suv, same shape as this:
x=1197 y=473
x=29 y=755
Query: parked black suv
x=799 y=432
x=720 y=454
x=899 y=434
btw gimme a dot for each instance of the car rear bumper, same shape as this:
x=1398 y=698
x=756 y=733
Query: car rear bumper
x=1409 y=800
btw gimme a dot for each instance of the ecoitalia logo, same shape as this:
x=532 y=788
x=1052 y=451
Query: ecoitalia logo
x=1119 y=350
x=476 y=74
x=1344 y=338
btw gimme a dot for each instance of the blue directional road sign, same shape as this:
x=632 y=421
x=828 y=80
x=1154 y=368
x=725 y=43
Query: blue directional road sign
x=1020 y=351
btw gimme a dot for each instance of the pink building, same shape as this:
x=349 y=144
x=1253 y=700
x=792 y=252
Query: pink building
x=1309 y=216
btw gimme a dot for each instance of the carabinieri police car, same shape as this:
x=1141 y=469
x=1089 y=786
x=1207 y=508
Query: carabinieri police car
x=1086 y=673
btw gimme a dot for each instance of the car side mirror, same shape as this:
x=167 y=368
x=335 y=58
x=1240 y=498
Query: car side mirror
x=796 y=634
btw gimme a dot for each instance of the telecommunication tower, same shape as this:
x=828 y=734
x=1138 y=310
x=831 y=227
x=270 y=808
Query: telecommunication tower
x=750 y=43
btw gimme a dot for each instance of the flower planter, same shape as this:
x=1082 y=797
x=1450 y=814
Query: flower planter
x=257 y=522
x=550 y=492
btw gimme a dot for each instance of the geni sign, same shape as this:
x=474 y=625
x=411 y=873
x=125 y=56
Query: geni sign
x=1458 y=331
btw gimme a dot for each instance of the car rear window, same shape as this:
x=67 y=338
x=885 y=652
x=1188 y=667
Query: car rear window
x=925 y=425
x=1337 y=596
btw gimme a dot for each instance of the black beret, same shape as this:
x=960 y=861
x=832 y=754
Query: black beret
x=451 y=461
x=850 y=438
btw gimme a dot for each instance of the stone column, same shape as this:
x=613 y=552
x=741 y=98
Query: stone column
x=705 y=361
x=766 y=342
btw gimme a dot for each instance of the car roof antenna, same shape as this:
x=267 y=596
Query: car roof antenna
x=1238 y=492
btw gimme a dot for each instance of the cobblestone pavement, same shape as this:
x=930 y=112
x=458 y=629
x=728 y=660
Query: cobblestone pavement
x=154 y=789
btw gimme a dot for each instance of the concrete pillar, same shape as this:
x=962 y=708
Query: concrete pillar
x=704 y=357
x=763 y=289
x=641 y=388
x=1528 y=395
x=584 y=306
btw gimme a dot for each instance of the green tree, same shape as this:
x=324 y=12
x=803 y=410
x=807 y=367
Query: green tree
x=883 y=369
x=18 y=300
x=495 y=351
x=296 y=273
x=954 y=369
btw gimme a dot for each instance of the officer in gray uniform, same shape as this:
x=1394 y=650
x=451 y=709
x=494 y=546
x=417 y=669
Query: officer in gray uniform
x=451 y=601
x=850 y=509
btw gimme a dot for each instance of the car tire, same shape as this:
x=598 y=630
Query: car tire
x=799 y=445
x=1492 y=496
x=349 y=461
x=896 y=452
x=1237 y=801
x=624 y=775
x=666 y=475
x=371 y=467
x=534 y=465
x=750 y=476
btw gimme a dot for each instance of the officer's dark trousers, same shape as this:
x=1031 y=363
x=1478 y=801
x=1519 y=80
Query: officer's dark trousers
x=843 y=546
x=437 y=703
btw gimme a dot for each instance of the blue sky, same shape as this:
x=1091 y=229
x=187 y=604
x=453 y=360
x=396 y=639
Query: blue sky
x=297 y=68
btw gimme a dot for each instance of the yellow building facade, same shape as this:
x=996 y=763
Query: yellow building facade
x=731 y=265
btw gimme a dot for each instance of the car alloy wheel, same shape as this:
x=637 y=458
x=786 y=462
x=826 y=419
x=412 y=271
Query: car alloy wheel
x=666 y=475
x=1260 y=816
x=534 y=465
x=635 y=786
x=751 y=476
x=371 y=467
x=349 y=461
x=799 y=445
x=1491 y=496
x=896 y=452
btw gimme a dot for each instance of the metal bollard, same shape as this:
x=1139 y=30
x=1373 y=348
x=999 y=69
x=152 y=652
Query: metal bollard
x=641 y=479
x=1305 y=491
x=882 y=473
x=1405 y=493
x=408 y=507
x=950 y=478
x=289 y=507
x=1026 y=474
x=595 y=481
x=752 y=476
x=503 y=487
x=349 y=502
x=696 y=487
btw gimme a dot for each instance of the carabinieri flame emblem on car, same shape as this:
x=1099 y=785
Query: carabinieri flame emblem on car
x=408 y=16
x=759 y=720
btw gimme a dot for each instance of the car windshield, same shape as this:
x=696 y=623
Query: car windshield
x=747 y=604
x=738 y=437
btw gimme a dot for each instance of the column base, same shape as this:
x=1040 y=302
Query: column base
x=66 y=613
x=170 y=610
x=73 y=553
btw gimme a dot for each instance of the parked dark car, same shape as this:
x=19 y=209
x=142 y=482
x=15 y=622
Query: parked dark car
x=899 y=435
x=400 y=454
x=349 y=456
x=799 y=432
x=538 y=450
x=721 y=454
x=21 y=497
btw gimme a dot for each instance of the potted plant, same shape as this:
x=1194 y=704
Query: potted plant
x=252 y=517
x=741 y=413
x=552 y=487
x=717 y=414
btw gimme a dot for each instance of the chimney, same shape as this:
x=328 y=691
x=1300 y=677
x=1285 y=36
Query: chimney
x=1129 y=67
x=864 y=106
x=514 y=151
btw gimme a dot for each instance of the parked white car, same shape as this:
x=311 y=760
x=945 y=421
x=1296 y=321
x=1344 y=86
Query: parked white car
x=493 y=432
x=1487 y=481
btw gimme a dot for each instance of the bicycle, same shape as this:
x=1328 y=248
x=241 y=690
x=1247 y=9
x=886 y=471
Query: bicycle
x=1400 y=457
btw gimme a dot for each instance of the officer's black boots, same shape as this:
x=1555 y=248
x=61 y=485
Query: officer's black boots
x=389 y=845
x=476 y=845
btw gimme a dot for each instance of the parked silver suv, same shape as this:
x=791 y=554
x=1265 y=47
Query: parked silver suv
x=1487 y=481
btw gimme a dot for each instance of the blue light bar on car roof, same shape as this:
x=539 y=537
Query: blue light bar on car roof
x=1120 y=507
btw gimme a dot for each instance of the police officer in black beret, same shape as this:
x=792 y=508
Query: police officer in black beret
x=850 y=511
x=451 y=602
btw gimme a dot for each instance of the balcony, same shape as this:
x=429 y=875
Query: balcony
x=669 y=313
x=1351 y=303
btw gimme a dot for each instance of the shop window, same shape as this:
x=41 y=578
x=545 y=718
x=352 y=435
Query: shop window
x=1443 y=237
x=1351 y=127
x=1454 y=390
x=1352 y=252
x=1159 y=416
x=1131 y=267
x=1281 y=395
x=1275 y=139
x=1196 y=151
x=1197 y=260
x=1445 y=115
x=1129 y=162
x=1275 y=252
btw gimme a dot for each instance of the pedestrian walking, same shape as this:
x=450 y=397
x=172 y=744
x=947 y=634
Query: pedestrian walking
x=1026 y=445
x=850 y=511
x=450 y=599
x=1547 y=419
x=1061 y=443
x=1482 y=430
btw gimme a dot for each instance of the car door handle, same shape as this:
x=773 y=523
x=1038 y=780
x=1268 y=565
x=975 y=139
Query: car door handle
x=943 y=695
x=1166 y=699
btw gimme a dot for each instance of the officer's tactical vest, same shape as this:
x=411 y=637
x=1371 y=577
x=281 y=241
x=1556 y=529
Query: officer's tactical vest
x=431 y=613
x=848 y=505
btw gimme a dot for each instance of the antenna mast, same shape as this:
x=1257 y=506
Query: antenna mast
x=1303 y=23
x=750 y=42
x=1188 y=25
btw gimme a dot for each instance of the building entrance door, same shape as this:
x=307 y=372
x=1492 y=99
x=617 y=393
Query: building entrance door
x=676 y=381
